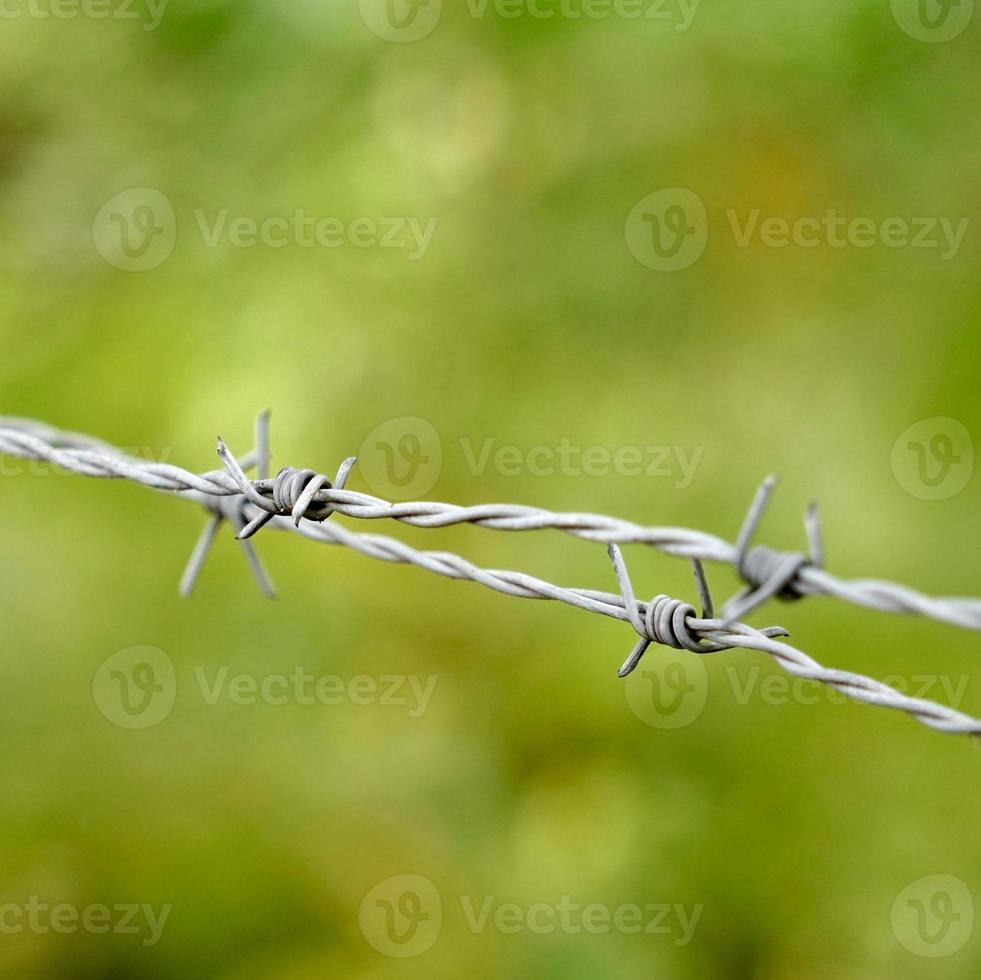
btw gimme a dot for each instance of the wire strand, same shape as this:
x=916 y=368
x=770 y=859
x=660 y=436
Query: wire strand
x=301 y=502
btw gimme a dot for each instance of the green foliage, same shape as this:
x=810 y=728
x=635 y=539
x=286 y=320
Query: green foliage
x=527 y=321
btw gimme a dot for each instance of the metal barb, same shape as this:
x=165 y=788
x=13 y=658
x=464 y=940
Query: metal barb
x=704 y=595
x=767 y=572
x=815 y=536
x=293 y=493
x=672 y=622
x=665 y=620
x=259 y=573
x=229 y=508
x=198 y=555
x=262 y=450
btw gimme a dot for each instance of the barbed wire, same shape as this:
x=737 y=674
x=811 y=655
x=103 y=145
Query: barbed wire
x=301 y=501
x=765 y=571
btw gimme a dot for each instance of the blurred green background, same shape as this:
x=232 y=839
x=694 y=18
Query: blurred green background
x=794 y=831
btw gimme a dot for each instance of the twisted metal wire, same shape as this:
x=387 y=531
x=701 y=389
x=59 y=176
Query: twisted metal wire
x=293 y=495
x=708 y=634
x=766 y=571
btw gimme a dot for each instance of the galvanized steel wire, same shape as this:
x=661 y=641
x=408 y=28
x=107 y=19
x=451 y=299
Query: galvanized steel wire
x=301 y=501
